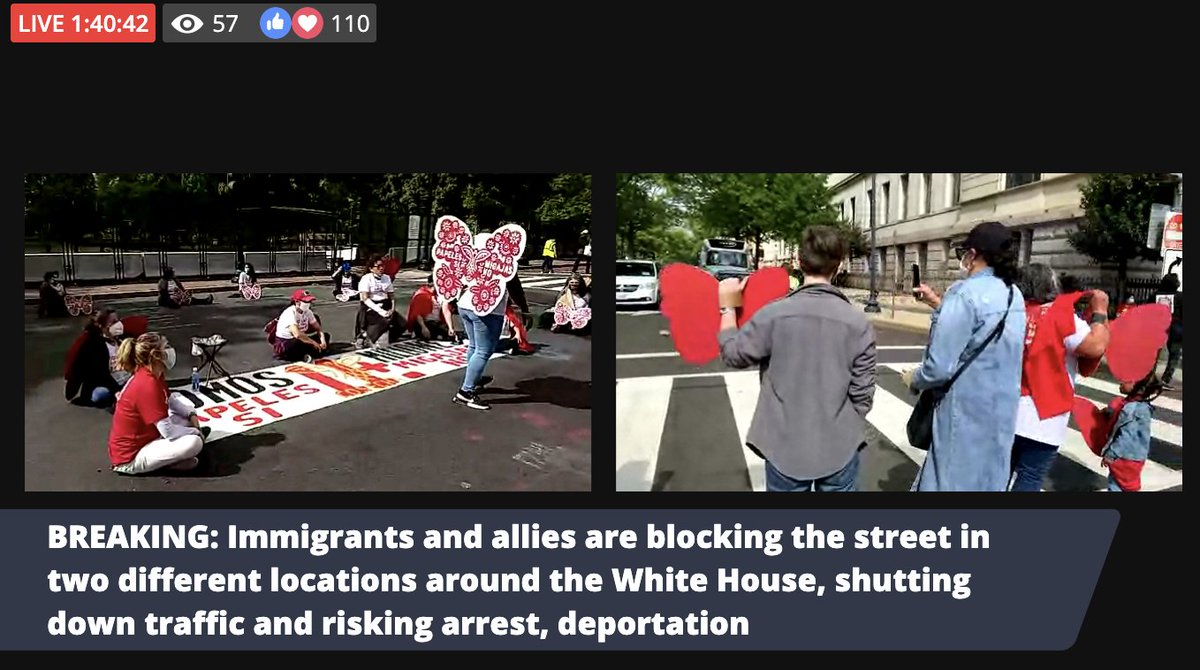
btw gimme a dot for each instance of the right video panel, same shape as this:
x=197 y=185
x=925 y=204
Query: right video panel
x=899 y=332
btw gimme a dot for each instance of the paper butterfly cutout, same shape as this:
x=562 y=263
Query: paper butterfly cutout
x=576 y=316
x=345 y=295
x=252 y=292
x=1135 y=338
x=475 y=268
x=689 y=302
x=79 y=304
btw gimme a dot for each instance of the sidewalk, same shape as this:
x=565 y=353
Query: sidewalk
x=205 y=286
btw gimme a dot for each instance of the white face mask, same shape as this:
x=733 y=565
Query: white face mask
x=116 y=330
x=170 y=357
x=303 y=306
x=964 y=268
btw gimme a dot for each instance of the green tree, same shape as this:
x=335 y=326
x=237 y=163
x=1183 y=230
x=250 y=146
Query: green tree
x=858 y=243
x=1117 y=216
x=642 y=215
x=757 y=207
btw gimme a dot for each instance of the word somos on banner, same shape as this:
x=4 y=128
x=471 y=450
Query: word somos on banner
x=237 y=403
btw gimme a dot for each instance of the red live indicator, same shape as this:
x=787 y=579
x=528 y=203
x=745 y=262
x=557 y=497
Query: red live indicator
x=108 y=23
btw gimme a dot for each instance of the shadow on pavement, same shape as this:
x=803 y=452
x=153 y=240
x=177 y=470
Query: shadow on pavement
x=559 y=391
x=225 y=457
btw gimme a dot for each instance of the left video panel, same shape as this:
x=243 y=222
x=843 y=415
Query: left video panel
x=306 y=332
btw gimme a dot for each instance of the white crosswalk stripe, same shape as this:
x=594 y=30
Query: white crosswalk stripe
x=650 y=410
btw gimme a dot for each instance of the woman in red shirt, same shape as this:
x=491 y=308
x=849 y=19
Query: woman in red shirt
x=148 y=431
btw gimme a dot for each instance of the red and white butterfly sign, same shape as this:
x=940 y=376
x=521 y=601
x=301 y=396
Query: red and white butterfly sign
x=475 y=268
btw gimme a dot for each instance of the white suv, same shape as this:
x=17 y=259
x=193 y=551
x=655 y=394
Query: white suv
x=637 y=283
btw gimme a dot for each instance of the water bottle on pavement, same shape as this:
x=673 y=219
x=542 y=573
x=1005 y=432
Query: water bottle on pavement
x=195 y=379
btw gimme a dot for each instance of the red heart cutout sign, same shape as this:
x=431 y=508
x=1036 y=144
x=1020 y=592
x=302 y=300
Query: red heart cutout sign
x=1136 y=337
x=689 y=301
x=1094 y=422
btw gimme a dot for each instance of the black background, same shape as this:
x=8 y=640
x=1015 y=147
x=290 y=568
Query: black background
x=600 y=88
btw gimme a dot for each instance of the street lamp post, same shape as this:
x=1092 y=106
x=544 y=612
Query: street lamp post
x=873 y=298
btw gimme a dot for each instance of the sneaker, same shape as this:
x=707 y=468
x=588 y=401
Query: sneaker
x=470 y=400
x=483 y=382
x=1168 y=386
x=307 y=358
x=205 y=431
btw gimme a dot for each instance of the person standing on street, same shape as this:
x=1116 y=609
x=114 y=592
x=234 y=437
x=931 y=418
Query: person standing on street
x=975 y=422
x=585 y=256
x=816 y=356
x=483 y=334
x=549 y=251
x=1055 y=341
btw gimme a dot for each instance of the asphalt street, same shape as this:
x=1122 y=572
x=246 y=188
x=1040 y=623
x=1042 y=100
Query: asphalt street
x=536 y=437
x=682 y=427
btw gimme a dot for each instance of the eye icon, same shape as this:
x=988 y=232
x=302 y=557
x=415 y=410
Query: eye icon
x=187 y=23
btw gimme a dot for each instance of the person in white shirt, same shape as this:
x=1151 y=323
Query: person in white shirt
x=378 y=300
x=1038 y=437
x=483 y=333
x=298 y=334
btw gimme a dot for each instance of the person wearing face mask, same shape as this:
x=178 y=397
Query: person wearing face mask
x=92 y=374
x=575 y=295
x=52 y=301
x=345 y=283
x=298 y=334
x=151 y=429
x=378 y=304
x=978 y=327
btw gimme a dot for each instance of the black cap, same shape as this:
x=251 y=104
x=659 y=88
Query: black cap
x=989 y=237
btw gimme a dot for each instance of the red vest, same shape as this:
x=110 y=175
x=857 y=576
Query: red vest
x=1044 y=369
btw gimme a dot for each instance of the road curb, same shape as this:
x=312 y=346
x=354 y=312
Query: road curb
x=898 y=325
x=150 y=293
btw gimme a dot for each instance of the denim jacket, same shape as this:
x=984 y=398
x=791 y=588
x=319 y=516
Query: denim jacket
x=1130 y=435
x=974 y=425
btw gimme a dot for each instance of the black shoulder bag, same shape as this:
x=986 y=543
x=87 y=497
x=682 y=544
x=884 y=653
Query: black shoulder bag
x=920 y=424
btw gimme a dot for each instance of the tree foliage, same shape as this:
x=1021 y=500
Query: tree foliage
x=175 y=208
x=660 y=211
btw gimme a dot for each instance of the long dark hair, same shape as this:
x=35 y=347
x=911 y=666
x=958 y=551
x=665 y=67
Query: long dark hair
x=250 y=272
x=1003 y=262
x=1146 y=390
x=584 y=289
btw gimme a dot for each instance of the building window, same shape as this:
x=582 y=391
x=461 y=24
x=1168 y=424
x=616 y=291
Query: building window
x=1015 y=179
x=927 y=193
x=887 y=202
x=872 y=217
x=842 y=210
x=853 y=214
x=903 y=197
x=954 y=192
x=923 y=257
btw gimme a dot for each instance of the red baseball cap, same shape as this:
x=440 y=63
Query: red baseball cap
x=302 y=296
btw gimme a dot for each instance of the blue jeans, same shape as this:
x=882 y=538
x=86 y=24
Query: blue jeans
x=484 y=334
x=1031 y=461
x=102 y=397
x=842 y=481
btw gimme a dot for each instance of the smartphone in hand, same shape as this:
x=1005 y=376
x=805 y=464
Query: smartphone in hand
x=916 y=273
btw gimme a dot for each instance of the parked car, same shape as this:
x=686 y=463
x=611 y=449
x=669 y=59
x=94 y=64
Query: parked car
x=637 y=283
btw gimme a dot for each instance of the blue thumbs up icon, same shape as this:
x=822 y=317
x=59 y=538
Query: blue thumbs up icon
x=275 y=23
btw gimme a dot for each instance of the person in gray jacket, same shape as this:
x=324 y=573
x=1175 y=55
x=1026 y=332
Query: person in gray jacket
x=816 y=356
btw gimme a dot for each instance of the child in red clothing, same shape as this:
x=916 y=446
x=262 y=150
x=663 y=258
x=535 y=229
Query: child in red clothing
x=1128 y=444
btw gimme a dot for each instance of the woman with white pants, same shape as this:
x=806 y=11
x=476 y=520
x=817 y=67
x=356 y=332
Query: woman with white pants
x=152 y=429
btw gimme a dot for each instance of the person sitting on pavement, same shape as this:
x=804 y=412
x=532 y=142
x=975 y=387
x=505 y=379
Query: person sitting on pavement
x=575 y=295
x=152 y=429
x=345 y=282
x=426 y=318
x=172 y=294
x=298 y=335
x=92 y=372
x=52 y=297
x=378 y=299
